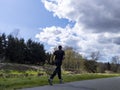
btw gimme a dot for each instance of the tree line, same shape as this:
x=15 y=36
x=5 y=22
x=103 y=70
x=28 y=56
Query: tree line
x=76 y=63
x=92 y=65
x=15 y=50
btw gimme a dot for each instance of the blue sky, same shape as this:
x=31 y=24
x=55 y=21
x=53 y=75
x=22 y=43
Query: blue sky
x=87 y=27
x=27 y=16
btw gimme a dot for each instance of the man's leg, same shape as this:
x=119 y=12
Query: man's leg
x=59 y=75
x=59 y=72
x=53 y=75
x=50 y=81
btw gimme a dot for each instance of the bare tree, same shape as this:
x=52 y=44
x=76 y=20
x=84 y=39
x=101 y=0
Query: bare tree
x=15 y=33
x=95 y=55
x=115 y=64
x=116 y=60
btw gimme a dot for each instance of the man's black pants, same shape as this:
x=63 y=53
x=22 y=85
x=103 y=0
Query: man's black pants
x=57 y=71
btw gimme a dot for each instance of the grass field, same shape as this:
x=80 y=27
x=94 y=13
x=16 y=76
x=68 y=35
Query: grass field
x=24 y=82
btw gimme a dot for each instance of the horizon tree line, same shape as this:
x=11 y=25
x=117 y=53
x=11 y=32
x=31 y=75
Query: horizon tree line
x=15 y=50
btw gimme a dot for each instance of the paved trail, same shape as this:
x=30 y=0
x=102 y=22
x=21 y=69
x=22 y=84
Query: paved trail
x=97 y=84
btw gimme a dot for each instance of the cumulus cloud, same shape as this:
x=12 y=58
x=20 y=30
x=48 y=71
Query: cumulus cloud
x=99 y=15
x=96 y=28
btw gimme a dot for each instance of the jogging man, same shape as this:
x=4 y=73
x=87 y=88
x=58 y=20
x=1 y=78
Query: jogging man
x=59 y=56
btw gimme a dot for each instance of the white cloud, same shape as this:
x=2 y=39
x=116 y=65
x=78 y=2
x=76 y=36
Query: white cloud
x=96 y=28
x=99 y=15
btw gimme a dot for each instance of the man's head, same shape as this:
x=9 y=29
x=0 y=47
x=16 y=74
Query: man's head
x=59 y=47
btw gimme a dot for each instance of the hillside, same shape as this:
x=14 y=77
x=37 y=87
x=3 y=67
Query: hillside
x=17 y=67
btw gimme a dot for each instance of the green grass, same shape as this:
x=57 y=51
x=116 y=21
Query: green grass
x=23 y=82
x=12 y=83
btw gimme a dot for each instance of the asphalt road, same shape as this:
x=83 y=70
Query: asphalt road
x=97 y=84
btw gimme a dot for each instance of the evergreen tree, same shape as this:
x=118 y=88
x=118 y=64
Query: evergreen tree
x=3 y=45
x=11 y=49
x=35 y=53
x=20 y=54
x=1 y=48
